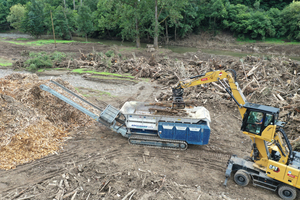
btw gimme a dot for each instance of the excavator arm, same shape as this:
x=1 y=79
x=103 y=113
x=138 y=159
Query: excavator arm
x=227 y=78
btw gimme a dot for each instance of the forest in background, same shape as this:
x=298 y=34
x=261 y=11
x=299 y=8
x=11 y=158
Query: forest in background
x=152 y=20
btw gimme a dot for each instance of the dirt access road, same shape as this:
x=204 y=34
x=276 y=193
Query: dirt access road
x=97 y=163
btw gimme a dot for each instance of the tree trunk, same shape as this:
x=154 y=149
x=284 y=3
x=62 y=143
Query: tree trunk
x=138 y=42
x=67 y=24
x=108 y=34
x=137 y=38
x=214 y=25
x=65 y=4
x=86 y=37
x=80 y=2
x=175 y=32
x=156 y=28
x=74 y=4
x=167 y=35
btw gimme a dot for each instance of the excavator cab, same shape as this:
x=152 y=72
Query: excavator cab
x=258 y=117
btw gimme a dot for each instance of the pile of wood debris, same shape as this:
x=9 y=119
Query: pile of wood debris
x=33 y=123
x=272 y=81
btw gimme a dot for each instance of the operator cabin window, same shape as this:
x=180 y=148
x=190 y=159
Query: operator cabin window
x=257 y=122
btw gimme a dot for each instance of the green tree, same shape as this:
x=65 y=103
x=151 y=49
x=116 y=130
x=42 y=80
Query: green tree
x=264 y=4
x=33 y=22
x=63 y=3
x=172 y=9
x=193 y=16
x=260 y=26
x=132 y=17
x=105 y=17
x=174 y=12
x=64 y=21
x=275 y=18
x=291 y=21
x=5 y=6
x=17 y=13
x=245 y=22
x=84 y=20
x=92 y=4
x=216 y=11
x=3 y=14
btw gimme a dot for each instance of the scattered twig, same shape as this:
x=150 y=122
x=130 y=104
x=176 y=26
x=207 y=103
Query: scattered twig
x=244 y=69
x=20 y=193
x=69 y=194
x=162 y=184
x=74 y=195
x=26 y=197
x=127 y=195
x=88 y=196
x=105 y=184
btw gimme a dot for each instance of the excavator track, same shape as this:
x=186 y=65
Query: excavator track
x=156 y=142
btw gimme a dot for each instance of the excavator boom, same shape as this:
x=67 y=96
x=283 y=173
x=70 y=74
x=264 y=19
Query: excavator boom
x=230 y=86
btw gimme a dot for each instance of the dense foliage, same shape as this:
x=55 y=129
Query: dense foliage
x=152 y=20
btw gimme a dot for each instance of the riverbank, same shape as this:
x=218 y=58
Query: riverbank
x=222 y=44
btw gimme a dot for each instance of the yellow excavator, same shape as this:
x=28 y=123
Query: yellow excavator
x=272 y=163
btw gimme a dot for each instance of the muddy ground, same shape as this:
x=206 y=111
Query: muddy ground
x=97 y=163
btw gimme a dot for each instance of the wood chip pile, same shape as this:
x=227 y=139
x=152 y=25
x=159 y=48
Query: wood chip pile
x=33 y=123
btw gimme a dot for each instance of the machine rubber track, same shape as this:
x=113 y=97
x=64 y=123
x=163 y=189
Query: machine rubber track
x=156 y=142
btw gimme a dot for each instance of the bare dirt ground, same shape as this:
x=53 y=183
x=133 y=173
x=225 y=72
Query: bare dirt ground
x=96 y=163
x=225 y=41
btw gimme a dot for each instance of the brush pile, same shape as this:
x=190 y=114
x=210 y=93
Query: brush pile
x=271 y=81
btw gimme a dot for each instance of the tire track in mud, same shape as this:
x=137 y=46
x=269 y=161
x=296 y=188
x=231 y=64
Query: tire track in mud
x=39 y=170
x=207 y=159
x=55 y=165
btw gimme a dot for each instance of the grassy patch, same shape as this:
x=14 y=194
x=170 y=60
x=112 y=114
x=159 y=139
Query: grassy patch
x=48 y=69
x=128 y=49
x=41 y=42
x=268 y=41
x=114 y=78
x=87 y=92
x=22 y=39
x=41 y=60
x=146 y=79
x=4 y=63
x=80 y=71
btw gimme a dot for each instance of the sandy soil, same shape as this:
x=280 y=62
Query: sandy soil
x=98 y=162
